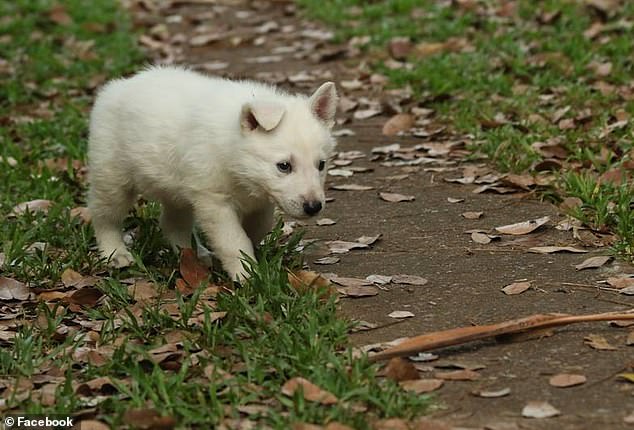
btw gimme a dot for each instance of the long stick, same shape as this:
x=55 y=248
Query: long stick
x=461 y=335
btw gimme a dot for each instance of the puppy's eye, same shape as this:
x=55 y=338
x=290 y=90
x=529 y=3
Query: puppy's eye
x=284 y=167
x=322 y=164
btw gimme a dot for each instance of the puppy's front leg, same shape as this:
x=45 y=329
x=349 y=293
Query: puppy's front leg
x=227 y=238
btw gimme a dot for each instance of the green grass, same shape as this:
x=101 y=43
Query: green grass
x=522 y=68
x=270 y=333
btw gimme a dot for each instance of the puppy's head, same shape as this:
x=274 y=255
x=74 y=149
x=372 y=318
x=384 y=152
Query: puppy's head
x=287 y=146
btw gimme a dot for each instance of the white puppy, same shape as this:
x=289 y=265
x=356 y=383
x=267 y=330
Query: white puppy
x=214 y=152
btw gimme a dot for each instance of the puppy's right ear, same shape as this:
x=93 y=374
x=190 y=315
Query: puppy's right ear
x=264 y=115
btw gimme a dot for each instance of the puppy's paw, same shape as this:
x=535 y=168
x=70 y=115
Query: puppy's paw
x=121 y=259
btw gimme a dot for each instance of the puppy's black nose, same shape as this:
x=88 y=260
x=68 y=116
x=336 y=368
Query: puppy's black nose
x=311 y=208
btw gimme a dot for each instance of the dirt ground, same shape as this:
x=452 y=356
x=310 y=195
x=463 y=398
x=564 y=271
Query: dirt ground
x=426 y=237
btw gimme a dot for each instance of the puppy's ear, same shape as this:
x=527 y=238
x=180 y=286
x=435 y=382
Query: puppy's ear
x=323 y=103
x=265 y=115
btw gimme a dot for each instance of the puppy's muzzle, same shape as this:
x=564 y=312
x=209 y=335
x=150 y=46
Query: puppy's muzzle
x=312 y=207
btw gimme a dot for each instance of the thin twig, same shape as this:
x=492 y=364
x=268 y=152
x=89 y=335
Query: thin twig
x=462 y=335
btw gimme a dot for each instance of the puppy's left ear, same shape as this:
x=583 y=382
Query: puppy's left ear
x=261 y=114
x=323 y=103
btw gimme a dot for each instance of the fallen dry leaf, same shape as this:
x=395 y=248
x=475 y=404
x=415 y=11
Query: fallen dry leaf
x=143 y=291
x=539 y=409
x=596 y=341
x=191 y=269
x=342 y=246
x=368 y=240
x=92 y=425
x=419 y=386
x=351 y=187
x=564 y=380
x=327 y=260
x=492 y=394
x=472 y=215
x=325 y=221
x=400 y=314
x=10 y=289
x=516 y=288
x=394 y=197
x=379 y=279
x=524 y=227
x=358 y=291
x=454 y=200
x=149 y=419
x=594 y=262
x=553 y=249
x=458 y=375
x=87 y=297
x=620 y=282
x=310 y=391
x=398 y=123
x=409 y=280
x=399 y=369
x=480 y=238
x=38 y=205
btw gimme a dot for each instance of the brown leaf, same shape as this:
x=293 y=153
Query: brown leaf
x=305 y=280
x=394 y=197
x=342 y=246
x=38 y=205
x=620 y=282
x=552 y=249
x=594 y=262
x=87 y=297
x=420 y=386
x=564 y=380
x=310 y=391
x=327 y=260
x=596 y=341
x=400 y=314
x=398 y=369
x=71 y=278
x=192 y=270
x=148 y=419
x=351 y=187
x=539 y=409
x=480 y=238
x=490 y=394
x=398 y=123
x=368 y=240
x=143 y=290
x=458 y=375
x=472 y=215
x=524 y=227
x=409 y=280
x=92 y=425
x=59 y=16
x=325 y=221
x=516 y=288
x=47 y=296
x=10 y=289
x=399 y=47
x=358 y=291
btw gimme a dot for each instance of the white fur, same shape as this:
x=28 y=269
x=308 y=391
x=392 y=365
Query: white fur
x=207 y=148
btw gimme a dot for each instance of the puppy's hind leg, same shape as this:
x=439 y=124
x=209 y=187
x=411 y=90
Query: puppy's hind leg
x=108 y=208
x=177 y=222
